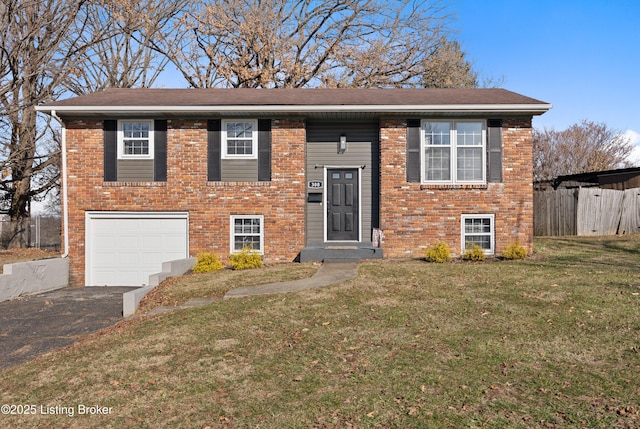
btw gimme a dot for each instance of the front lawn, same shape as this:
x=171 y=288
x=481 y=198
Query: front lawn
x=551 y=341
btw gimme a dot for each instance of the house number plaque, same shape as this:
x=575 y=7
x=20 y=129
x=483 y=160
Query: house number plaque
x=315 y=184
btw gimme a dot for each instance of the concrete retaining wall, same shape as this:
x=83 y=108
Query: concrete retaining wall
x=32 y=277
x=131 y=300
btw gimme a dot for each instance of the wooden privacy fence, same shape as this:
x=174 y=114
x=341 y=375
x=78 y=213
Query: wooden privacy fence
x=586 y=211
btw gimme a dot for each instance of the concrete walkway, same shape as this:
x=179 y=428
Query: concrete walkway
x=327 y=274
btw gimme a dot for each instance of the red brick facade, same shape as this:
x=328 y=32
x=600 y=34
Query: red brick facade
x=210 y=204
x=412 y=215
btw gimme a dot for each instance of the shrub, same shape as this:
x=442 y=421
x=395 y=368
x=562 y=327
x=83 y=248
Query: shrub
x=473 y=253
x=207 y=262
x=439 y=252
x=514 y=251
x=247 y=259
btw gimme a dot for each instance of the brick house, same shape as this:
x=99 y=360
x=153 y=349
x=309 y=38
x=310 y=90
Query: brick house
x=152 y=175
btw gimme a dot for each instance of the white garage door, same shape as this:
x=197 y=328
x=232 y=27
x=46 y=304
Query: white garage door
x=124 y=248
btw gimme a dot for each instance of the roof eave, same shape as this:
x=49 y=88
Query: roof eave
x=533 y=109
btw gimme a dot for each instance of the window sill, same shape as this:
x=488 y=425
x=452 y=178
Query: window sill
x=134 y=184
x=228 y=184
x=454 y=186
x=239 y=158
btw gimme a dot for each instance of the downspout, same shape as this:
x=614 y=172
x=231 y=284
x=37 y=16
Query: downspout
x=65 y=205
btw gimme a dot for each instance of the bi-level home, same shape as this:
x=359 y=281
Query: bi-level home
x=153 y=175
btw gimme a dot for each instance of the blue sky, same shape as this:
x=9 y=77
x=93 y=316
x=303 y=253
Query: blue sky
x=582 y=56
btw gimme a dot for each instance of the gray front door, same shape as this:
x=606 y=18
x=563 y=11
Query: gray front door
x=342 y=204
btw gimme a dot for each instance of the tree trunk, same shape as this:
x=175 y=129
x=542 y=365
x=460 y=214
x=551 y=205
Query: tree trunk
x=18 y=233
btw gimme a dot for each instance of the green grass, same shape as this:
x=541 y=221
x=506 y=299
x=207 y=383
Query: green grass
x=178 y=290
x=550 y=341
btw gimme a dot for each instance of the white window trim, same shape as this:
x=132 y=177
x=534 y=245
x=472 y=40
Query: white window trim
x=254 y=140
x=490 y=251
x=232 y=233
x=453 y=145
x=121 y=154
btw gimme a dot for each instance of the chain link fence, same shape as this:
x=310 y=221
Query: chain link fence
x=44 y=233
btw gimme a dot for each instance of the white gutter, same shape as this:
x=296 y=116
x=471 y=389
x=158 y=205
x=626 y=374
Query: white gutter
x=65 y=204
x=426 y=108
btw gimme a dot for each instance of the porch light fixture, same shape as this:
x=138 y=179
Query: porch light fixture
x=342 y=147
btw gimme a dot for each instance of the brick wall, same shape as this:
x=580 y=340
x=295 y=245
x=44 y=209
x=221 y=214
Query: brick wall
x=415 y=216
x=210 y=204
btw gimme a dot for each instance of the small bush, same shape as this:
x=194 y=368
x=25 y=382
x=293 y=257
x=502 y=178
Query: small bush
x=439 y=252
x=247 y=259
x=473 y=253
x=514 y=251
x=207 y=262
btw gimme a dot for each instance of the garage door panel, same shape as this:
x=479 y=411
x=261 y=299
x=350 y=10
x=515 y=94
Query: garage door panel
x=125 y=251
x=107 y=242
x=172 y=241
x=104 y=259
x=105 y=277
x=152 y=226
x=153 y=242
x=125 y=226
x=128 y=241
x=125 y=259
x=149 y=259
x=172 y=256
x=103 y=228
x=126 y=277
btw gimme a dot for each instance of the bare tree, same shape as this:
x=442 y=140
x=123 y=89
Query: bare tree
x=447 y=67
x=39 y=41
x=297 y=43
x=123 y=58
x=581 y=148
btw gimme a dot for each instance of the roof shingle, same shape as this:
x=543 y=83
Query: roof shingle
x=296 y=97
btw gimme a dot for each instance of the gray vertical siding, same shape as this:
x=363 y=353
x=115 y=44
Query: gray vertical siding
x=362 y=149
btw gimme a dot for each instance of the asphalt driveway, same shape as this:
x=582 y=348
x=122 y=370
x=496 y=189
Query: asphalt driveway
x=36 y=324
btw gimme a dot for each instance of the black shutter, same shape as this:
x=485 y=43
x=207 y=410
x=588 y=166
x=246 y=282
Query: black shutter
x=413 y=150
x=264 y=150
x=160 y=151
x=214 y=169
x=494 y=150
x=110 y=150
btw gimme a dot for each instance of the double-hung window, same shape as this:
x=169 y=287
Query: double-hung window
x=454 y=152
x=135 y=139
x=240 y=139
x=247 y=232
x=478 y=229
